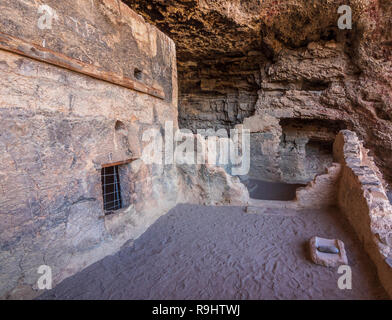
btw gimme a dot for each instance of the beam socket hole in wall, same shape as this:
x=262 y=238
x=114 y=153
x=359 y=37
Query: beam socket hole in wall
x=111 y=189
x=138 y=74
x=119 y=125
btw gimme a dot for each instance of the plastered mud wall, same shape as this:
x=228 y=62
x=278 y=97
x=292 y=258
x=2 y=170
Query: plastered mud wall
x=58 y=127
x=362 y=198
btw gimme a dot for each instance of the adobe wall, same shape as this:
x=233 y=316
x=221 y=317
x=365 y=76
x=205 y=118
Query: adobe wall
x=70 y=102
x=362 y=198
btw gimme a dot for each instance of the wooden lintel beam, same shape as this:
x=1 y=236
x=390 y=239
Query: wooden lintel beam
x=34 y=51
x=118 y=163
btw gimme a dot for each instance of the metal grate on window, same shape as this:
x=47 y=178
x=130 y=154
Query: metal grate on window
x=111 y=188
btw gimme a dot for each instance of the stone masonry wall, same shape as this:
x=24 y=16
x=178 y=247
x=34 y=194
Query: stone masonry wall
x=362 y=198
x=77 y=96
x=322 y=81
x=58 y=127
x=218 y=92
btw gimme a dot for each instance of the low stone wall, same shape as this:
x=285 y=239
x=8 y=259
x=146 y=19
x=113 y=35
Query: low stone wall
x=321 y=192
x=362 y=197
x=285 y=152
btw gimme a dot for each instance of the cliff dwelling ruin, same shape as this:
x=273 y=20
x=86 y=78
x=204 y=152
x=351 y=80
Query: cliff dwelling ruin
x=192 y=149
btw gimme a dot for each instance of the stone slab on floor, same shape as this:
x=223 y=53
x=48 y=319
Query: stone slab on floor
x=327 y=259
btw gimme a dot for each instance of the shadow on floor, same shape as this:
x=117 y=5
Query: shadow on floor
x=276 y=191
x=197 y=252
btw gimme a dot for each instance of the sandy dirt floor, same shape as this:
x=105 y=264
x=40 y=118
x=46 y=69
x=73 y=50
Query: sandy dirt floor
x=197 y=252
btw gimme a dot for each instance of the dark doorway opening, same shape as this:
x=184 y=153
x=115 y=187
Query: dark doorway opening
x=276 y=191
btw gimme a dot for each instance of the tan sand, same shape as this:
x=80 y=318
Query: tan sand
x=197 y=252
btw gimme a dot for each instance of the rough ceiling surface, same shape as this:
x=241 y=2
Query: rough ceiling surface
x=204 y=27
x=287 y=58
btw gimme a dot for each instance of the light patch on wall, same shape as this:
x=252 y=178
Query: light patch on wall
x=146 y=36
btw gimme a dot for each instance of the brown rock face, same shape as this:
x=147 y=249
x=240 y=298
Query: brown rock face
x=219 y=59
x=204 y=28
x=286 y=58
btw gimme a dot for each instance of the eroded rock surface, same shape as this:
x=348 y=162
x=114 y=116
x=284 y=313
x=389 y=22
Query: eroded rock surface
x=283 y=68
x=287 y=58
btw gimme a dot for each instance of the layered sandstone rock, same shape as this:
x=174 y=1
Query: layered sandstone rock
x=288 y=58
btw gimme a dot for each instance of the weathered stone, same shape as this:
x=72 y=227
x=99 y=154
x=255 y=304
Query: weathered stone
x=327 y=252
x=64 y=127
x=328 y=249
x=369 y=212
x=321 y=192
